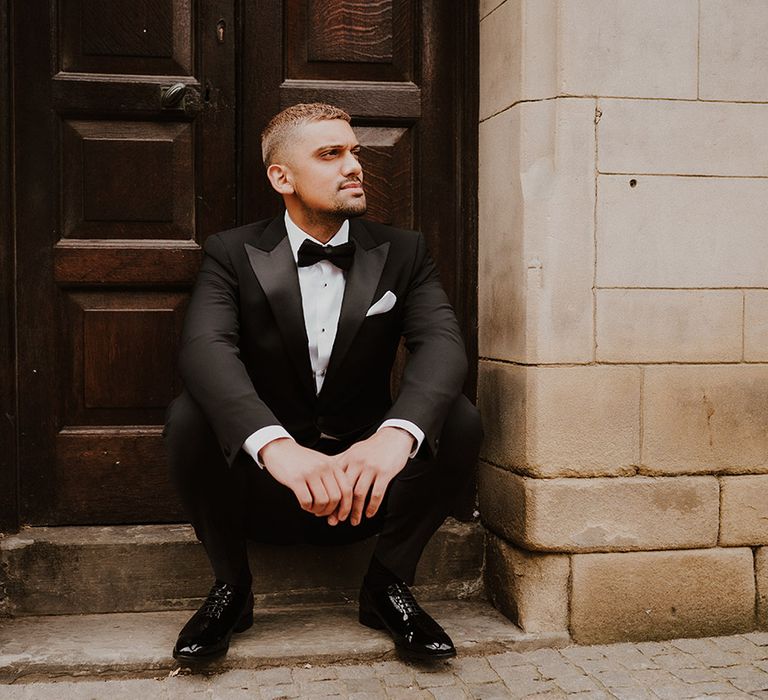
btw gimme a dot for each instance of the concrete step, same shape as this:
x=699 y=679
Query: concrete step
x=70 y=570
x=132 y=645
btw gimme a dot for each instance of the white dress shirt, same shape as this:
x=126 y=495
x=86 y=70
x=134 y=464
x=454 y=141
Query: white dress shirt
x=322 y=291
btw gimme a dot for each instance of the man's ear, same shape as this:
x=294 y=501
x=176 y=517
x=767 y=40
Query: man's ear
x=280 y=178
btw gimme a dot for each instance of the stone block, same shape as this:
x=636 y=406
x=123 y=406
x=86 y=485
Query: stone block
x=531 y=589
x=518 y=54
x=681 y=232
x=71 y=570
x=502 y=499
x=756 y=325
x=501 y=265
x=561 y=421
x=705 y=419
x=600 y=514
x=733 y=53
x=500 y=58
x=744 y=510
x=636 y=596
x=669 y=325
x=761 y=580
x=627 y=48
x=488 y=6
x=682 y=138
x=536 y=239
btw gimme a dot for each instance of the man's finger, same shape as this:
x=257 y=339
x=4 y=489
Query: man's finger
x=319 y=495
x=347 y=494
x=377 y=495
x=360 y=493
x=333 y=491
x=303 y=496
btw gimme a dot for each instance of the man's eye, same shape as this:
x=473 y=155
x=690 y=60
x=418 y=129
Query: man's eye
x=328 y=154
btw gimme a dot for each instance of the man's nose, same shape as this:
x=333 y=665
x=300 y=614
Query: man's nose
x=351 y=165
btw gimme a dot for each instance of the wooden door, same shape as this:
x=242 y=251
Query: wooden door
x=124 y=161
x=120 y=181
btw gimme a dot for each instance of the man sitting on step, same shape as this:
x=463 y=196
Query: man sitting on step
x=286 y=431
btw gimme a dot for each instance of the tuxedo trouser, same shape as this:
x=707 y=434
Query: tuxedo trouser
x=229 y=505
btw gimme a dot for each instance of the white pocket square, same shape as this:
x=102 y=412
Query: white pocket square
x=382 y=305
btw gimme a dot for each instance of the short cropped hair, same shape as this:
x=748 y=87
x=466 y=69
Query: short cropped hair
x=282 y=126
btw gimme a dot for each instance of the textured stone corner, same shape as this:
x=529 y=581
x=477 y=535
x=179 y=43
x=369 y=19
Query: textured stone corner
x=761 y=581
x=661 y=595
x=744 y=510
x=561 y=421
x=529 y=588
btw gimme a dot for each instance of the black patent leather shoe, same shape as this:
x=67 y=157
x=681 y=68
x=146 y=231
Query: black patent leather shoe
x=415 y=633
x=226 y=610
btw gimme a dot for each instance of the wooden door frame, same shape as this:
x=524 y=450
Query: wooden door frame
x=9 y=474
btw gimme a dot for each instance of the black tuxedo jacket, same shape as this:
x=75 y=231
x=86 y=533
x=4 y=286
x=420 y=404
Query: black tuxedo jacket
x=244 y=353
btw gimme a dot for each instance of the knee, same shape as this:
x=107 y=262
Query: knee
x=187 y=435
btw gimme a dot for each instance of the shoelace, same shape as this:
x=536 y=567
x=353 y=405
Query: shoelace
x=403 y=600
x=218 y=599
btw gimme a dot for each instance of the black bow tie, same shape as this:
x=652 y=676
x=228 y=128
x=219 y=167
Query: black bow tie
x=340 y=255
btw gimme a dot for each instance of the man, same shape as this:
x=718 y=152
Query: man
x=286 y=431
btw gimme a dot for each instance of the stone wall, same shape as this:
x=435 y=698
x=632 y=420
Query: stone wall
x=624 y=314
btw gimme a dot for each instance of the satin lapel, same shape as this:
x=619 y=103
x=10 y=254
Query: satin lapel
x=276 y=271
x=362 y=281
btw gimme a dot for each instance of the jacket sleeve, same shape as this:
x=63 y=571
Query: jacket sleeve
x=437 y=362
x=209 y=359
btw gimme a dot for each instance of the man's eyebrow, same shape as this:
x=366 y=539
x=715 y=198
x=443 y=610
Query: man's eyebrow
x=337 y=145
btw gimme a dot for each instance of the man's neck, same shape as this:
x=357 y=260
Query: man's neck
x=321 y=228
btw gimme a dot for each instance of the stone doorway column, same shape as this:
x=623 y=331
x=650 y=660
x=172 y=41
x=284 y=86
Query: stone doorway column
x=623 y=304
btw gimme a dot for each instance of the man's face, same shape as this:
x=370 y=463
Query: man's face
x=324 y=169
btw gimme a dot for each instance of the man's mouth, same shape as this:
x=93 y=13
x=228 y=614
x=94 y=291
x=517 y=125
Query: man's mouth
x=352 y=185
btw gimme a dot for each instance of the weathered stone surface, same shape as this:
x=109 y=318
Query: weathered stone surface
x=661 y=595
x=756 y=325
x=761 y=580
x=536 y=240
x=682 y=138
x=626 y=48
x=518 y=53
x=487 y=6
x=682 y=232
x=502 y=498
x=600 y=514
x=131 y=643
x=561 y=421
x=705 y=418
x=744 y=510
x=529 y=588
x=663 y=325
x=155 y=567
x=501 y=294
x=733 y=54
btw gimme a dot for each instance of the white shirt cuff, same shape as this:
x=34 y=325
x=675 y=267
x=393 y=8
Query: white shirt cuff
x=412 y=428
x=261 y=438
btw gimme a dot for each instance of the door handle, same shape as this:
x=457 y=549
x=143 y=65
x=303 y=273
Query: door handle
x=182 y=97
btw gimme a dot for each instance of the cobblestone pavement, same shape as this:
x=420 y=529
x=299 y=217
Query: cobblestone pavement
x=716 y=667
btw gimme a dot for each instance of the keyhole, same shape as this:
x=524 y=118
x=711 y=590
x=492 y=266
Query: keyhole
x=221 y=25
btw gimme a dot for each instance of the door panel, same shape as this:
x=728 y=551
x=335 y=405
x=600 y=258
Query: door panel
x=119 y=185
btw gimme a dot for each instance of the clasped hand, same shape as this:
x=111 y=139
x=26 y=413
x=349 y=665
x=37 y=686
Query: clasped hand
x=337 y=487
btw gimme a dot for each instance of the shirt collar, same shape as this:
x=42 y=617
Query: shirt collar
x=297 y=236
